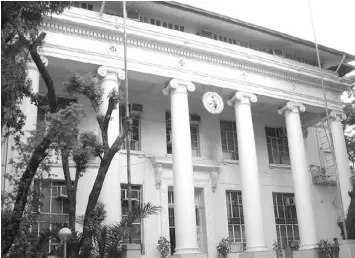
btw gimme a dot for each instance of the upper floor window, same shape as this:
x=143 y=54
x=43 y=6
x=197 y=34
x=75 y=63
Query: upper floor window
x=235 y=216
x=277 y=145
x=164 y=24
x=286 y=219
x=194 y=130
x=54 y=208
x=229 y=140
x=62 y=102
x=86 y=6
x=135 y=135
x=137 y=199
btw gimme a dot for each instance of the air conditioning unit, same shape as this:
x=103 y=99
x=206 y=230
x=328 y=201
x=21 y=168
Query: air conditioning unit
x=205 y=33
x=62 y=192
x=290 y=201
x=135 y=109
x=133 y=15
x=195 y=119
x=125 y=195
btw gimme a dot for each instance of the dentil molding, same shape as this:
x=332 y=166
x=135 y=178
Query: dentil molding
x=185 y=53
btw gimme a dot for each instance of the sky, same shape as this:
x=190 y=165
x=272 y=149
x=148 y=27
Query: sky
x=333 y=20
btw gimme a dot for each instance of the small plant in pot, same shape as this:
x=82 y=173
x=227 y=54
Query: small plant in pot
x=163 y=247
x=224 y=248
x=328 y=250
x=277 y=249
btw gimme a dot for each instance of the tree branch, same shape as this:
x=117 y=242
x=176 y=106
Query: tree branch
x=127 y=125
x=70 y=189
x=105 y=122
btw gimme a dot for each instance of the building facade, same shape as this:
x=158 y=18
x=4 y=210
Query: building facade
x=258 y=172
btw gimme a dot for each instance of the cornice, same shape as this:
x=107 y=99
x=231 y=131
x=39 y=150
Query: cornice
x=189 y=52
x=220 y=81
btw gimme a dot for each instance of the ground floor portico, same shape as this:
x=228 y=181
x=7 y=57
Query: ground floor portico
x=214 y=176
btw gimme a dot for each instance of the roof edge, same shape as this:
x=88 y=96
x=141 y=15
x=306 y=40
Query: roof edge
x=271 y=32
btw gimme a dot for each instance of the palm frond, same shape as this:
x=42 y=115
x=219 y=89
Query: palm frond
x=142 y=212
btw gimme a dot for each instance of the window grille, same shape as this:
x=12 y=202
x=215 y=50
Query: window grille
x=277 y=145
x=229 y=140
x=286 y=219
x=235 y=216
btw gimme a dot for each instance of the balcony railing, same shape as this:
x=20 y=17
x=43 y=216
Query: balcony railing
x=321 y=176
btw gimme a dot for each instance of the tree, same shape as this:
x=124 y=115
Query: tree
x=90 y=87
x=19 y=39
x=21 y=20
x=348 y=126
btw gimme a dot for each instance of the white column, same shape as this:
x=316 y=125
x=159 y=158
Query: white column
x=341 y=157
x=300 y=174
x=185 y=218
x=29 y=109
x=252 y=205
x=111 y=190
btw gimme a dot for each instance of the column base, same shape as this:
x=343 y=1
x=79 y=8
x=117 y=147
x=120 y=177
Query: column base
x=190 y=255
x=132 y=251
x=347 y=248
x=306 y=253
x=260 y=254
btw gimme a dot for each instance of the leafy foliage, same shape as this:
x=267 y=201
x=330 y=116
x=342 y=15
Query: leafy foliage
x=349 y=126
x=327 y=248
x=88 y=85
x=23 y=18
x=224 y=247
x=277 y=249
x=164 y=247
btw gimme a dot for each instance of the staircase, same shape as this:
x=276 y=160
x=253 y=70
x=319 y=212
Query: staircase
x=326 y=173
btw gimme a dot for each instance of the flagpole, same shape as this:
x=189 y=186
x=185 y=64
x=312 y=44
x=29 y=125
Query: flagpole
x=128 y=147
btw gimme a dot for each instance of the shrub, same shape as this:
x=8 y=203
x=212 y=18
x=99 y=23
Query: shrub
x=163 y=247
x=224 y=248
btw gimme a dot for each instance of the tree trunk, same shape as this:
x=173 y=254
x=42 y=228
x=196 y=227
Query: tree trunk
x=350 y=218
x=93 y=198
x=11 y=230
x=38 y=154
x=70 y=189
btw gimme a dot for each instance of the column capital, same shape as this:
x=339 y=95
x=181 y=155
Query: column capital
x=105 y=70
x=292 y=107
x=242 y=97
x=33 y=66
x=337 y=115
x=178 y=86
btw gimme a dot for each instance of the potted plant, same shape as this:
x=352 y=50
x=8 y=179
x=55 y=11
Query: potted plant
x=328 y=250
x=277 y=249
x=163 y=247
x=224 y=248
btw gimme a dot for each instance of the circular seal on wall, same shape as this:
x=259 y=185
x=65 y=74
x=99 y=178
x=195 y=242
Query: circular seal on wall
x=213 y=102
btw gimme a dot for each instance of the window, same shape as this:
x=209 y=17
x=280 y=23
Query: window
x=136 y=202
x=164 y=24
x=198 y=213
x=286 y=219
x=277 y=145
x=62 y=102
x=194 y=130
x=135 y=135
x=235 y=216
x=229 y=140
x=54 y=208
x=83 y=6
x=171 y=220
